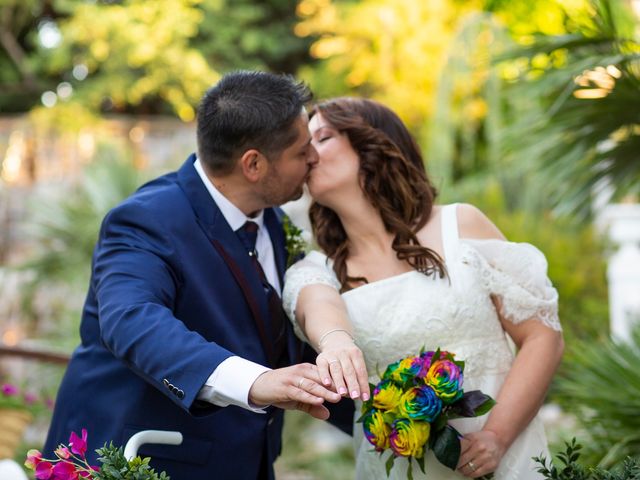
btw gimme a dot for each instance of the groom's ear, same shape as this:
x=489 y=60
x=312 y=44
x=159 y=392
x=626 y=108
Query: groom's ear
x=253 y=165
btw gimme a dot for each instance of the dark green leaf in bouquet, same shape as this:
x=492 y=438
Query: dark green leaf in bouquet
x=420 y=462
x=389 y=464
x=439 y=423
x=446 y=447
x=472 y=404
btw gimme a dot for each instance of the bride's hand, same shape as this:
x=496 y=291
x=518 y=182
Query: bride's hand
x=480 y=453
x=341 y=363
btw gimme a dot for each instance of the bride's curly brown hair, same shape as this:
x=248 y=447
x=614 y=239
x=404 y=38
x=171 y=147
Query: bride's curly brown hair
x=393 y=179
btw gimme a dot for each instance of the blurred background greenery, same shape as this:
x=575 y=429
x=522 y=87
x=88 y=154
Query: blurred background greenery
x=529 y=109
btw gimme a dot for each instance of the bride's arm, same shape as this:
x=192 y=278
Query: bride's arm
x=323 y=318
x=312 y=301
x=539 y=353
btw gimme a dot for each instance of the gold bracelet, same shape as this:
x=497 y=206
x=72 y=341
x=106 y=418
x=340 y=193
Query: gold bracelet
x=333 y=331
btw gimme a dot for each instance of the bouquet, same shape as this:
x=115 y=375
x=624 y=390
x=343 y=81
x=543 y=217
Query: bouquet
x=71 y=463
x=409 y=410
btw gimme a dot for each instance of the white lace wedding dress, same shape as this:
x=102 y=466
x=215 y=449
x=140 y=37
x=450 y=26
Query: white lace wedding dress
x=396 y=317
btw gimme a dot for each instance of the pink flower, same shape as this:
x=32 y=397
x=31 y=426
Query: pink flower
x=44 y=470
x=78 y=445
x=34 y=457
x=30 y=398
x=86 y=474
x=65 y=471
x=62 y=452
x=9 y=390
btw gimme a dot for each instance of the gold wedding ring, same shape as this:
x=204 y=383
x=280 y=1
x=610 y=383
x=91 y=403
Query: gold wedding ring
x=300 y=382
x=471 y=466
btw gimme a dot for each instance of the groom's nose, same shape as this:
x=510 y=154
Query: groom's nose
x=313 y=157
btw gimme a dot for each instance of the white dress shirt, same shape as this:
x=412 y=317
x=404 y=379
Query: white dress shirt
x=230 y=382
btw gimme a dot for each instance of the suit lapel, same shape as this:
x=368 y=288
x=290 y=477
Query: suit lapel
x=277 y=240
x=228 y=245
x=272 y=220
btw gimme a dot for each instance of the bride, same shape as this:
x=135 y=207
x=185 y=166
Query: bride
x=414 y=274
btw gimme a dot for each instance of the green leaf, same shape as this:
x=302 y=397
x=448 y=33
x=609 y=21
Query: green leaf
x=472 y=404
x=420 y=462
x=485 y=407
x=389 y=464
x=447 y=447
x=439 y=423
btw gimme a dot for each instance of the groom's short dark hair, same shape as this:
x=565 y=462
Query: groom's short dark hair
x=248 y=110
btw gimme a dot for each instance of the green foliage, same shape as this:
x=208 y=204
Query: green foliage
x=294 y=241
x=137 y=54
x=577 y=109
x=600 y=385
x=299 y=456
x=572 y=470
x=64 y=225
x=252 y=35
x=20 y=82
x=390 y=50
x=116 y=467
x=141 y=57
x=556 y=114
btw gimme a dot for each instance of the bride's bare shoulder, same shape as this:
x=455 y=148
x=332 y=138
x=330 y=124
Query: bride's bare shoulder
x=473 y=223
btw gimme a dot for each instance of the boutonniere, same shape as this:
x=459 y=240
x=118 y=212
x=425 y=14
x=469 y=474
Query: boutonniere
x=294 y=241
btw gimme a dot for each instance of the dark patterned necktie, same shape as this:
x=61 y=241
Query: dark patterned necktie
x=248 y=235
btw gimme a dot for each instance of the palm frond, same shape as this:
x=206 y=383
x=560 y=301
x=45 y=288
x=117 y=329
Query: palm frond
x=582 y=124
x=601 y=385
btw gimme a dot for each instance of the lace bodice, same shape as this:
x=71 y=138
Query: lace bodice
x=398 y=316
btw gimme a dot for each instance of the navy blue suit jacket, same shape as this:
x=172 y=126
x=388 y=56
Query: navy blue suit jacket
x=172 y=295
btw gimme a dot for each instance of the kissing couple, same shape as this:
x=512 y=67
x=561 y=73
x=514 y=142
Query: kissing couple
x=184 y=326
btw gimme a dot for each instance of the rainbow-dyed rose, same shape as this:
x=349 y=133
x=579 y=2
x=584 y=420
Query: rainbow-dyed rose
x=405 y=370
x=412 y=404
x=409 y=438
x=377 y=431
x=389 y=371
x=426 y=364
x=387 y=395
x=420 y=403
x=446 y=378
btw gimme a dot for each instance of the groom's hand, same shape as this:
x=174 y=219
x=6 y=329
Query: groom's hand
x=293 y=388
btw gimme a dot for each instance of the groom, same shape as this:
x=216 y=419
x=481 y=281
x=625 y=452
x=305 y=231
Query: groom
x=182 y=328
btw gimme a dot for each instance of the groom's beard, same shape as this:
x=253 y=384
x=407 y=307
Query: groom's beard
x=276 y=191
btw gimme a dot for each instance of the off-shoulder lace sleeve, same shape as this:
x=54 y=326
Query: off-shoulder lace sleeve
x=517 y=274
x=314 y=269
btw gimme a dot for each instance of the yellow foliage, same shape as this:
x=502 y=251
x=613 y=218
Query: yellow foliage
x=143 y=45
x=391 y=50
